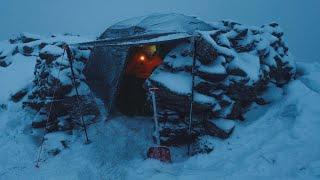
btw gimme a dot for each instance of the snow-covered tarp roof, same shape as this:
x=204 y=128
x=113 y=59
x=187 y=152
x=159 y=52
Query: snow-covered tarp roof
x=153 y=29
x=138 y=40
x=154 y=24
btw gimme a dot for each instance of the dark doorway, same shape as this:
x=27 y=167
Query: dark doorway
x=132 y=97
x=142 y=60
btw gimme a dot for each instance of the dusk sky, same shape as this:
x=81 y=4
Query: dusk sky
x=299 y=19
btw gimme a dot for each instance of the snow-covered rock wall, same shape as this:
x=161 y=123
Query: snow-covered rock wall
x=234 y=65
x=52 y=93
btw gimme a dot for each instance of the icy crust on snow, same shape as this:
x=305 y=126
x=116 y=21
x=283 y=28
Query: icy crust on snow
x=156 y=23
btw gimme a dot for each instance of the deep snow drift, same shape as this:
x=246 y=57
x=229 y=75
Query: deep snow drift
x=277 y=141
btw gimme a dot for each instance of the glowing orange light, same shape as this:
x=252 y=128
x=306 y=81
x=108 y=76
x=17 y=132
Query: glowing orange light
x=142 y=58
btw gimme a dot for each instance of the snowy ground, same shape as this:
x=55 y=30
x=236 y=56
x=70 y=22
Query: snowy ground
x=277 y=141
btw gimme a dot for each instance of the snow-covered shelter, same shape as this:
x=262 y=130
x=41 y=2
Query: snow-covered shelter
x=234 y=65
x=107 y=62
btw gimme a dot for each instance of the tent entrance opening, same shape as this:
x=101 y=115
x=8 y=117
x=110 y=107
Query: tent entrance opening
x=132 y=97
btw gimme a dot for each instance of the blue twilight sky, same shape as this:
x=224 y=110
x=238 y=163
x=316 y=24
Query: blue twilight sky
x=299 y=18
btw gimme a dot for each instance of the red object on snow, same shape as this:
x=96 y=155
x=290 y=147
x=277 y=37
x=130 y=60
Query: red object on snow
x=160 y=153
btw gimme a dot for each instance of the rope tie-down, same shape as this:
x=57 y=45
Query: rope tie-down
x=67 y=50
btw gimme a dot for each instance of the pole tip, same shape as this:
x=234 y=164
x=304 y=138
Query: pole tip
x=87 y=142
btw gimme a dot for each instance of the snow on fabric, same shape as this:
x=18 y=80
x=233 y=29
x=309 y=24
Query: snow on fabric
x=155 y=23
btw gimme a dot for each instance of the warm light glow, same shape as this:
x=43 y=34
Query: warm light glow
x=142 y=58
x=150 y=50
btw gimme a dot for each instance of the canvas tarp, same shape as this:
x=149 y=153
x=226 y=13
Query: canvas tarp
x=108 y=60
